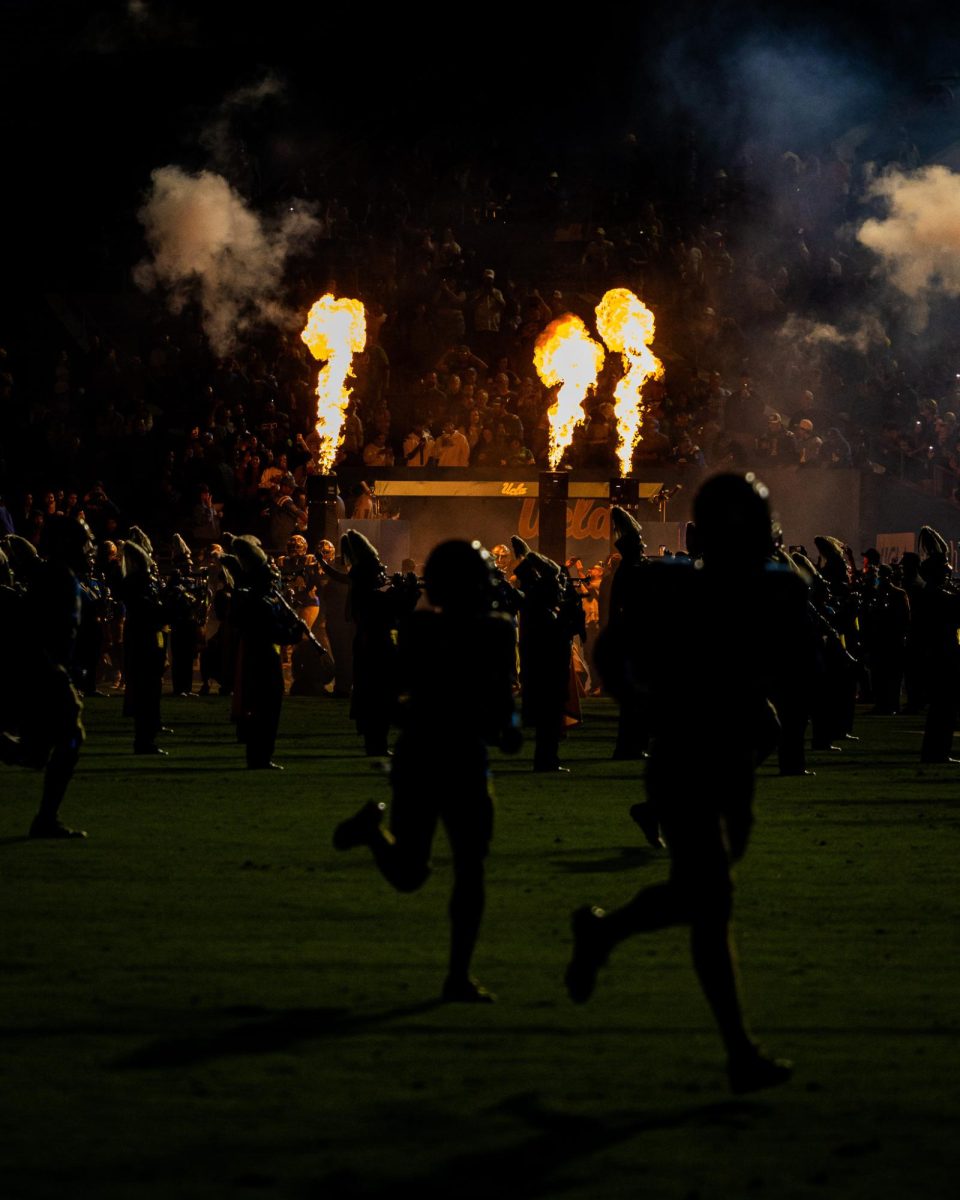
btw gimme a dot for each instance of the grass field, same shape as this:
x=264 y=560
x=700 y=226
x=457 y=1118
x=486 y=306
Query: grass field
x=204 y=999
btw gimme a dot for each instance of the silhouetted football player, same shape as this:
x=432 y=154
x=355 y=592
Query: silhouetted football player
x=455 y=670
x=705 y=678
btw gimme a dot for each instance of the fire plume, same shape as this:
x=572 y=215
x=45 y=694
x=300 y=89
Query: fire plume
x=567 y=355
x=336 y=330
x=627 y=327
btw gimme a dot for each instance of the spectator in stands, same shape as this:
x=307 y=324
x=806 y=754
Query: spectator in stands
x=103 y=516
x=505 y=424
x=836 y=450
x=488 y=452
x=448 y=302
x=351 y=449
x=518 y=455
x=205 y=522
x=364 y=506
x=275 y=471
x=229 y=421
x=285 y=518
x=531 y=406
x=744 y=413
x=451 y=449
x=450 y=252
x=461 y=360
x=809 y=445
x=301 y=503
x=454 y=393
x=599 y=437
x=486 y=309
x=467 y=397
x=597 y=255
x=534 y=313
x=502 y=390
x=946 y=428
x=372 y=368
x=654 y=444
x=431 y=398
x=777 y=444
x=418 y=446
x=717 y=395
x=377 y=453
x=686 y=453
x=472 y=429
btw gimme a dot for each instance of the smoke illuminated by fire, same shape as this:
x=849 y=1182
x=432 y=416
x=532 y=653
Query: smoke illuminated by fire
x=336 y=330
x=627 y=327
x=208 y=246
x=567 y=355
x=917 y=237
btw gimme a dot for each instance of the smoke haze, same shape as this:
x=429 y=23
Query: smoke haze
x=207 y=246
x=918 y=238
x=218 y=136
x=863 y=333
x=762 y=82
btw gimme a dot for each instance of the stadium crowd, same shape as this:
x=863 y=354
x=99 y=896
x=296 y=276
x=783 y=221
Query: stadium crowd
x=129 y=416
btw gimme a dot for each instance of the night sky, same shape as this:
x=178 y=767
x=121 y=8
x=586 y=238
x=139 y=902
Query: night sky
x=95 y=97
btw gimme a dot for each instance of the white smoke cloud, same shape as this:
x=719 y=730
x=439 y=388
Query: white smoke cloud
x=217 y=136
x=209 y=247
x=918 y=238
x=859 y=333
x=251 y=94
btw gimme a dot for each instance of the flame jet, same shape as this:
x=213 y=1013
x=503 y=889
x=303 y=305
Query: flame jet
x=336 y=330
x=627 y=327
x=567 y=355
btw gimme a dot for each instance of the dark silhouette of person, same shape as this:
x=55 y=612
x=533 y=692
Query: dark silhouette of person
x=262 y=624
x=333 y=593
x=143 y=652
x=834 y=702
x=706 y=677
x=626 y=601
x=885 y=622
x=40 y=710
x=218 y=655
x=807 y=696
x=455 y=667
x=184 y=603
x=95 y=610
x=375 y=609
x=914 y=666
x=551 y=613
x=938 y=620
x=632 y=734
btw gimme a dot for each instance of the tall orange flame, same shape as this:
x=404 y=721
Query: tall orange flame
x=336 y=330
x=627 y=327
x=567 y=355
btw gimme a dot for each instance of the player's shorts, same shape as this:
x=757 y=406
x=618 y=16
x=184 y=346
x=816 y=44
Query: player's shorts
x=449 y=784
x=705 y=813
